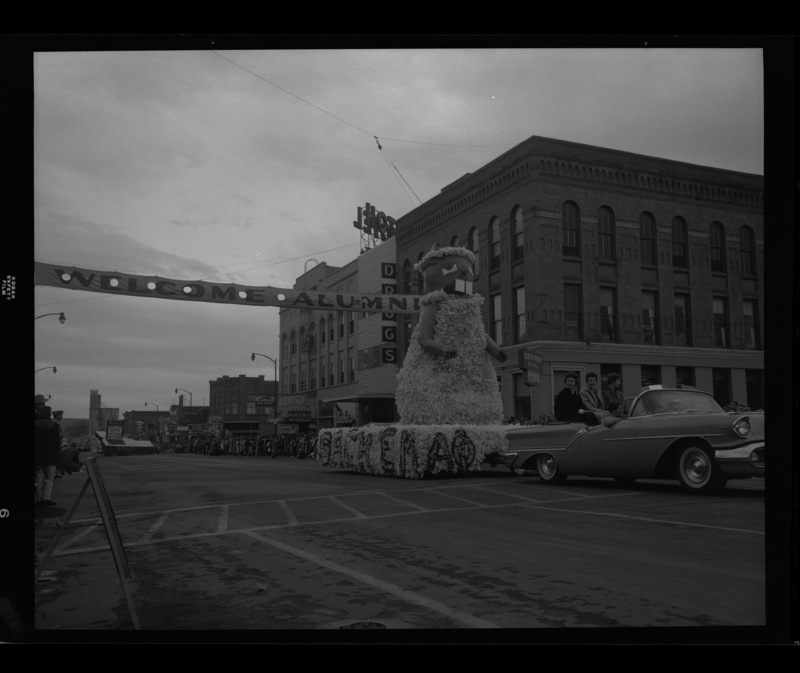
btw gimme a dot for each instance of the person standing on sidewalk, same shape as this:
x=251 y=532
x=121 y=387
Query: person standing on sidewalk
x=47 y=448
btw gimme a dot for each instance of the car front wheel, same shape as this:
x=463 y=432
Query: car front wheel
x=697 y=471
x=548 y=471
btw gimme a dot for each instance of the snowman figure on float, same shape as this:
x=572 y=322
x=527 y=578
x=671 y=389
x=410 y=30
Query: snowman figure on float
x=451 y=412
x=447 y=377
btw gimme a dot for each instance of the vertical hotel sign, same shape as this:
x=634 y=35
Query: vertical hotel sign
x=377 y=227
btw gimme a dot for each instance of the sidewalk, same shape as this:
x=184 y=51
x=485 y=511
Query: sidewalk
x=63 y=598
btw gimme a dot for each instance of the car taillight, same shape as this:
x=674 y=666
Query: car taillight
x=742 y=427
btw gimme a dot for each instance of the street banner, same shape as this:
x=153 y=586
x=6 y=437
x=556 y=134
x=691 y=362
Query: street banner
x=157 y=287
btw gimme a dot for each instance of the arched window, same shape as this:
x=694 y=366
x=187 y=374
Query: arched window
x=647 y=238
x=454 y=242
x=472 y=241
x=717 y=247
x=680 y=240
x=494 y=243
x=571 y=229
x=322 y=330
x=518 y=234
x=312 y=335
x=331 y=328
x=292 y=343
x=285 y=346
x=606 y=233
x=474 y=247
x=747 y=251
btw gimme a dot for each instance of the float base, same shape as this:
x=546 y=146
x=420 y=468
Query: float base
x=410 y=451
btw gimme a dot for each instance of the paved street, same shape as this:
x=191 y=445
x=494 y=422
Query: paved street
x=287 y=547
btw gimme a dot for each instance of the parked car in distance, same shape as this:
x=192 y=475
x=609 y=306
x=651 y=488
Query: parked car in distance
x=667 y=433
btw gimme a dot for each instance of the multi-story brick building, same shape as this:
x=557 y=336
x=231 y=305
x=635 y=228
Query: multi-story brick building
x=241 y=406
x=338 y=367
x=146 y=425
x=593 y=259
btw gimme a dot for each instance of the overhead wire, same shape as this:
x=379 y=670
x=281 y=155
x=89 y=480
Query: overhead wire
x=389 y=162
x=344 y=121
x=392 y=166
x=385 y=156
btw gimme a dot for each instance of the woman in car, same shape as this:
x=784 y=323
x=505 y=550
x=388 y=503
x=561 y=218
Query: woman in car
x=569 y=406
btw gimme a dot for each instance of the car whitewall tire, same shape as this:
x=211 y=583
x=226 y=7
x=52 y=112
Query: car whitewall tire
x=547 y=469
x=697 y=471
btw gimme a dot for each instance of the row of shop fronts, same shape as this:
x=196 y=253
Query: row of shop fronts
x=183 y=424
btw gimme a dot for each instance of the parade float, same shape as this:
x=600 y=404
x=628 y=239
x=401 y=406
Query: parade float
x=451 y=413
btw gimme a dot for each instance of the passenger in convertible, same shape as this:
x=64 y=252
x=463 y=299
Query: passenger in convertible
x=614 y=414
x=569 y=406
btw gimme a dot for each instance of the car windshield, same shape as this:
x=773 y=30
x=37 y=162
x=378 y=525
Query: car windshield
x=674 y=402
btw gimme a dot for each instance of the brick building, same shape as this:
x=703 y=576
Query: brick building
x=241 y=406
x=338 y=367
x=593 y=259
x=146 y=425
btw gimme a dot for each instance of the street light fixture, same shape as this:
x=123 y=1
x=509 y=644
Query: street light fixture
x=43 y=368
x=158 y=418
x=61 y=317
x=186 y=391
x=275 y=363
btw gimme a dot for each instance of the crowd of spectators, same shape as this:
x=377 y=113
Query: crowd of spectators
x=291 y=445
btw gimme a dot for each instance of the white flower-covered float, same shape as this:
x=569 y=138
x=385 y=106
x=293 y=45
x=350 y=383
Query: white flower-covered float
x=451 y=413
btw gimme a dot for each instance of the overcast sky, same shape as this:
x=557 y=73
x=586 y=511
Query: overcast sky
x=245 y=166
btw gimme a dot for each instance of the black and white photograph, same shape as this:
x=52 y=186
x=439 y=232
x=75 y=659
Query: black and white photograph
x=454 y=339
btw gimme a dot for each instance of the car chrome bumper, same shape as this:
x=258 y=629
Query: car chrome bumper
x=744 y=461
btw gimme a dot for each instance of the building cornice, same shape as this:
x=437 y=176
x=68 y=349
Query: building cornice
x=583 y=166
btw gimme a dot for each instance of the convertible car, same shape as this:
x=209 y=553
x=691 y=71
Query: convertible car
x=668 y=433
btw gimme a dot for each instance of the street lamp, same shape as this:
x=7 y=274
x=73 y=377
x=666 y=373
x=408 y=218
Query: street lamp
x=43 y=368
x=185 y=391
x=275 y=363
x=158 y=419
x=61 y=317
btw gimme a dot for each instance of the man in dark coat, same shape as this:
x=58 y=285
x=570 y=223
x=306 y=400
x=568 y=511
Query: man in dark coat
x=69 y=460
x=47 y=448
